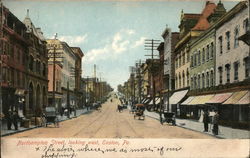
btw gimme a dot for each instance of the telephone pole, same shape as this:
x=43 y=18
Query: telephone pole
x=151 y=44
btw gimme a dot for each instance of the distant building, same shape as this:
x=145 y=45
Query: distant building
x=77 y=73
x=67 y=58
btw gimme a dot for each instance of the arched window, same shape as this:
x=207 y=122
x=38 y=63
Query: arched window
x=31 y=63
x=183 y=78
x=207 y=80
x=212 y=79
x=203 y=80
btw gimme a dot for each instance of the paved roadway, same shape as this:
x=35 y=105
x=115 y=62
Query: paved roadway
x=111 y=124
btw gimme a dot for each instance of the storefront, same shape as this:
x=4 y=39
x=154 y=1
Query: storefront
x=174 y=101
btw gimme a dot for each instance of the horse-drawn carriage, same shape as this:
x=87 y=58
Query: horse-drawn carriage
x=51 y=116
x=168 y=117
x=139 y=111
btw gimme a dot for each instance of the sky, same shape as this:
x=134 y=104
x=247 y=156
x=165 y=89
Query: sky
x=111 y=34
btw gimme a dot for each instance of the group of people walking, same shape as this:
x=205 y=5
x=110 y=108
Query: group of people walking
x=210 y=117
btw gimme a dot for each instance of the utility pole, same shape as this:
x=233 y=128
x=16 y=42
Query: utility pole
x=54 y=72
x=152 y=45
x=1 y=49
x=54 y=55
x=138 y=74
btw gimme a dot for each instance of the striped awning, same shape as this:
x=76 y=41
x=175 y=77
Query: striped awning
x=189 y=99
x=177 y=97
x=235 y=97
x=245 y=99
x=219 y=98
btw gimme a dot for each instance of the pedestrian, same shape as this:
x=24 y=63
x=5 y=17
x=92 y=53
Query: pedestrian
x=205 y=120
x=15 y=119
x=215 y=123
x=9 y=119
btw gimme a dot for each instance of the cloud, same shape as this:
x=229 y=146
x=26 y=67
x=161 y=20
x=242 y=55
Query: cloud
x=139 y=42
x=73 y=40
x=118 y=44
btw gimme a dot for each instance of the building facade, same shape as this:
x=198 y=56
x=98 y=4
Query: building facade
x=14 y=52
x=37 y=70
x=77 y=73
x=66 y=57
x=232 y=55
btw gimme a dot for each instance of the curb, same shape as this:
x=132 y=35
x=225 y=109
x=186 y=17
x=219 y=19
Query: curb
x=27 y=129
x=219 y=137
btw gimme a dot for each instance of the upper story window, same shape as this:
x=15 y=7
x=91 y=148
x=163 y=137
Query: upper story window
x=199 y=58
x=207 y=79
x=191 y=61
x=220 y=45
x=207 y=52
x=183 y=59
x=236 y=36
x=212 y=50
x=247 y=67
x=236 y=71
x=220 y=74
x=31 y=63
x=246 y=25
x=228 y=39
x=203 y=55
x=212 y=78
x=227 y=66
x=188 y=56
x=203 y=80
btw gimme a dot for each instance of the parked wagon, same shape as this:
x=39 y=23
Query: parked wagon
x=139 y=112
x=168 y=117
x=51 y=116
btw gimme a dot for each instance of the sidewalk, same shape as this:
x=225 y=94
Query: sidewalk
x=5 y=132
x=224 y=132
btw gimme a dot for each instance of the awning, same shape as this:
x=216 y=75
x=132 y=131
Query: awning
x=189 y=99
x=235 y=97
x=146 y=100
x=177 y=97
x=158 y=100
x=245 y=99
x=195 y=100
x=198 y=100
x=19 y=92
x=219 y=98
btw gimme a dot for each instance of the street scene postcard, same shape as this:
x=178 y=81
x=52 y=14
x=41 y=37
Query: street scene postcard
x=125 y=78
